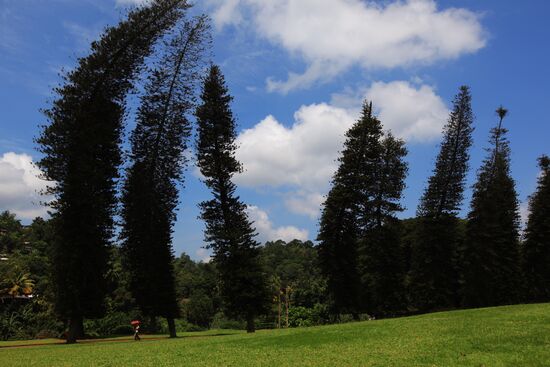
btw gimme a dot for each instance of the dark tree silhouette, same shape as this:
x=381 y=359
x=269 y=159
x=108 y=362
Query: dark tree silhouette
x=381 y=257
x=82 y=156
x=434 y=275
x=491 y=256
x=536 y=248
x=354 y=226
x=150 y=194
x=229 y=232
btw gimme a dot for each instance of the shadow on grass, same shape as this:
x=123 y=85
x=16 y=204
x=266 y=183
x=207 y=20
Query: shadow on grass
x=144 y=338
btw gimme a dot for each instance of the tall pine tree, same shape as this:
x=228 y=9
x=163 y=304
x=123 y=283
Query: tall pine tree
x=433 y=275
x=229 y=232
x=491 y=255
x=381 y=259
x=536 y=248
x=82 y=155
x=150 y=194
x=353 y=234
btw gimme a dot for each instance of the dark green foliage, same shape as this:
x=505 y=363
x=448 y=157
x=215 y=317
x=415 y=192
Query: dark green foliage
x=193 y=277
x=338 y=251
x=150 y=194
x=82 y=155
x=491 y=252
x=381 y=257
x=536 y=248
x=199 y=310
x=295 y=264
x=446 y=186
x=345 y=214
x=433 y=277
x=197 y=289
x=300 y=316
x=382 y=274
x=229 y=232
x=10 y=232
x=355 y=225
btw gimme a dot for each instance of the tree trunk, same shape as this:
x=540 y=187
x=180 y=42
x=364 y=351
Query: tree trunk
x=287 y=304
x=250 y=326
x=171 y=327
x=279 y=316
x=76 y=329
x=153 y=326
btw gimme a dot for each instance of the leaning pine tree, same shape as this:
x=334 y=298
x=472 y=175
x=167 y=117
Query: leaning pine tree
x=82 y=156
x=229 y=232
x=491 y=253
x=433 y=276
x=150 y=194
x=536 y=248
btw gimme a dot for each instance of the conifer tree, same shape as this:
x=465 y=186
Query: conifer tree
x=433 y=275
x=491 y=255
x=82 y=155
x=381 y=258
x=341 y=221
x=229 y=232
x=536 y=248
x=366 y=189
x=150 y=194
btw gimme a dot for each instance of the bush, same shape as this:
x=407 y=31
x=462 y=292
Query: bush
x=305 y=316
x=24 y=319
x=113 y=323
x=199 y=310
x=220 y=321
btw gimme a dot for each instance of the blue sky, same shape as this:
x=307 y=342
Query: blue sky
x=298 y=70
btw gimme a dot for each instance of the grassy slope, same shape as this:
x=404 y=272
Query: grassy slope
x=504 y=336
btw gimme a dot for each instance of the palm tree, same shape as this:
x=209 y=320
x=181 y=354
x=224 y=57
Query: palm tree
x=17 y=284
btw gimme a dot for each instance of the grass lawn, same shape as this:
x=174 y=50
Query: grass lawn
x=502 y=336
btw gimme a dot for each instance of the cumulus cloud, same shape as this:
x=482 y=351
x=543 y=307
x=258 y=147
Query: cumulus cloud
x=267 y=232
x=227 y=13
x=131 y=2
x=20 y=186
x=305 y=203
x=303 y=156
x=335 y=35
x=203 y=255
x=416 y=114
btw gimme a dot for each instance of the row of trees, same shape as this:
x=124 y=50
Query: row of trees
x=82 y=158
x=361 y=241
x=375 y=264
x=27 y=310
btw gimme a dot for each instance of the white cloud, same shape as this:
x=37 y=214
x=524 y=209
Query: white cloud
x=333 y=35
x=303 y=157
x=411 y=113
x=20 y=186
x=132 y=2
x=267 y=232
x=203 y=255
x=227 y=13
x=305 y=203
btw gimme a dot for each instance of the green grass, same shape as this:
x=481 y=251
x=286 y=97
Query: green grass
x=503 y=336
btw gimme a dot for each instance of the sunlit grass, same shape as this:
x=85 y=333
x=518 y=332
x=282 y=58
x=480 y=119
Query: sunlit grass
x=503 y=336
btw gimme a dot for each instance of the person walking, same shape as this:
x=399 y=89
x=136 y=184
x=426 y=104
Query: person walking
x=136 y=324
